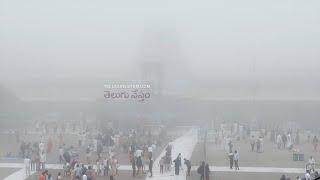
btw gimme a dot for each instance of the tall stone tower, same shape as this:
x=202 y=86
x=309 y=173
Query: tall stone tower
x=160 y=61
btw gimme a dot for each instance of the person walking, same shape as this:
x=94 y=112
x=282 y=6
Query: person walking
x=236 y=159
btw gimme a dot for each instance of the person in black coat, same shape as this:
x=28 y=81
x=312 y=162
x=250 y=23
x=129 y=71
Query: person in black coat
x=150 y=167
x=177 y=164
x=201 y=170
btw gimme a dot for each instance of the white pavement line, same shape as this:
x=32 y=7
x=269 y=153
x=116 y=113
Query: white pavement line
x=184 y=145
x=256 y=169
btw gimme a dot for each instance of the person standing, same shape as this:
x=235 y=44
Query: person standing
x=279 y=141
x=91 y=175
x=284 y=140
x=161 y=164
x=150 y=166
x=33 y=159
x=258 y=145
x=114 y=166
x=61 y=152
x=236 y=159
x=312 y=163
x=201 y=169
x=133 y=163
x=315 y=142
x=230 y=155
x=105 y=166
x=78 y=172
x=88 y=154
x=207 y=172
x=188 y=164
x=139 y=165
x=43 y=160
x=252 y=143
x=177 y=164
x=27 y=163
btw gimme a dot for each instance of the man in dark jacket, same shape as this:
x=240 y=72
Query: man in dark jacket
x=177 y=164
x=150 y=167
x=201 y=170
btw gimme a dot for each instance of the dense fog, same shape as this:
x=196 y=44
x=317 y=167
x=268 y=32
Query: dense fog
x=159 y=89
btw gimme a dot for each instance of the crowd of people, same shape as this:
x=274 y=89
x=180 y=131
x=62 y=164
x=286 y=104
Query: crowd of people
x=92 y=151
x=100 y=147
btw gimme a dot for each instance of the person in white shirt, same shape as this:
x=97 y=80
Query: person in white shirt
x=27 y=163
x=150 y=152
x=138 y=153
x=236 y=159
x=41 y=147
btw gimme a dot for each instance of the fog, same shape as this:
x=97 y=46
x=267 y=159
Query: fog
x=100 y=87
x=213 y=46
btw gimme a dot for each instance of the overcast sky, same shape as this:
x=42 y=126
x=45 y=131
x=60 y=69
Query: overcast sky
x=214 y=40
